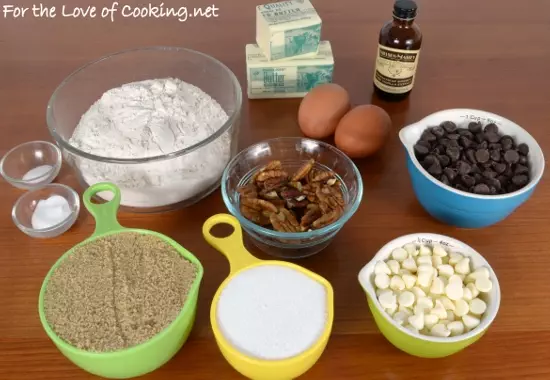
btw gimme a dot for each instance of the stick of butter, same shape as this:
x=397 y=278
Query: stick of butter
x=288 y=29
x=287 y=79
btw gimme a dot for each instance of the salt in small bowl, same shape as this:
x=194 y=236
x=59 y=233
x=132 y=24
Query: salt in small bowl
x=25 y=206
x=31 y=165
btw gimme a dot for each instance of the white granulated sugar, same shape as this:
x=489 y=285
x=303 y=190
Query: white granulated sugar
x=272 y=312
x=151 y=118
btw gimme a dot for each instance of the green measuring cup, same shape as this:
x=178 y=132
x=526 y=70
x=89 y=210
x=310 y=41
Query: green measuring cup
x=150 y=355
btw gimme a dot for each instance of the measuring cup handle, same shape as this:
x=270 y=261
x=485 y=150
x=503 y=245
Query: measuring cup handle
x=105 y=214
x=230 y=246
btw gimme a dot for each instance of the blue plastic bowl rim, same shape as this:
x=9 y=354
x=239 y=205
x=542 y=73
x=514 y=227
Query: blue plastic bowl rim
x=248 y=225
x=532 y=183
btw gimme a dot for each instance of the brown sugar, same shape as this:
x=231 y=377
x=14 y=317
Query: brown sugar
x=117 y=291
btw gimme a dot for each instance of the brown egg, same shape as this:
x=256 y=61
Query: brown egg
x=321 y=110
x=363 y=131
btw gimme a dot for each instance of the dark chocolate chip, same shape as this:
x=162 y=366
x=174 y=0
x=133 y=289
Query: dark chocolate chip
x=503 y=180
x=477 y=177
x=437 y=151
x=438 y=131
x=435 y=169
x=520 y=180
x=493 y=182
x=450 y=173
x=495 y=146
x=427 y=144
x=468 y=180
x=491 y=128
x=448 y=126
x=428 y=136
x=453 y=136
x=511 y=156
x=453 y=153
x=465 y=142
x=489 y=174
x=499 y=167
x=445 y=180
x=482 y=189
x=453 y=144
x=482 y=155
x=444 y=142
x=495 y=155
x=492 y=137
x=492 y=190
x=429 y=161
x=421 y=150
x=510 y=188
x=483 y=145
x=463 y=167
x=507 y=142
x=521 y=169
x=475 y=169
x=480 y=137
x=523 y=160
x=461 y=187
x=475 y=127
x=523 y=149
x=471 y=156
x=465 y=133
x=444 y=161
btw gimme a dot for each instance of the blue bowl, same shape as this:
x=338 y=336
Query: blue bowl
x=293 y=152
x=459 y=208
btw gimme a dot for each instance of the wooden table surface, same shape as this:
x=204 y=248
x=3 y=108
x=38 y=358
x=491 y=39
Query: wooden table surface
x=478 y=54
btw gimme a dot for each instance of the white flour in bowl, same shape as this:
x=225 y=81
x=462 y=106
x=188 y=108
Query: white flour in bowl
x=151 y=118
x=272 y=312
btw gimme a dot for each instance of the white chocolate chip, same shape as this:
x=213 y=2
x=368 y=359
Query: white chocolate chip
x=418 y=293
x=400 y=317
x=454 y=291
x=439 y=251
x=382 y=267
x=456 y=328
x=430 y=320
x=397 y=283
x=406 y=299
x=470 y=321
x=461 y=308
x=424 y=260
x=447 y=303
x=445 y=270
x=463 y=266
x=409 y=264
x=467 y=295
x=450 y=316
x=378 y=292
x=473 y=289
x=439 y=310
x=387 y=299
x=425 y=251
x=417 y=321
x=411 y=329
x=425 y=303
x=440 y=330
x=410 y=248
x=437 y=261
x=391 y=310
x=455 y=279
x=399 y=254
x=409 y=280
x=382 y=281
x=424 y=279
x=404 y=271
x=484 y=285
x=437 y=286
x=405 y=310
x=394 y=266
x=455 y=257
x=482 y=272
x=478 y=306
x=425 y=268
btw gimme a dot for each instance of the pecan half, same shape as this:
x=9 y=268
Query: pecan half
x=248 y=191
x=323 y=176
x=304 y=170
x=259 y=204
x=326 y=219
x=284 y=221
x=271 y=174
x=274 y=183
x=254 y=215
x=312 y=214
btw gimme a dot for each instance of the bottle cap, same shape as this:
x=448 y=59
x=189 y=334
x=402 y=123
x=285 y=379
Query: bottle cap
x=405 y=9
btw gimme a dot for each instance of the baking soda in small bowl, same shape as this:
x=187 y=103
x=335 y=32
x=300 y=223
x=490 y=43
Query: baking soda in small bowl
x=272 y=312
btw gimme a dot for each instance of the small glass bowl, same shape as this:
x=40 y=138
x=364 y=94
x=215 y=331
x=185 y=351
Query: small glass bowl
x=292 y=152
x=24 y=208
x=17 y=166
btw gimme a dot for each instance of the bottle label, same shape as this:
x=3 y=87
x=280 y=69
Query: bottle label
x=395 y=69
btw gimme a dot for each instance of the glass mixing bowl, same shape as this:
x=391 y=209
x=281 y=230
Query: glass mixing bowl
x=148 y=184
x=293 y=152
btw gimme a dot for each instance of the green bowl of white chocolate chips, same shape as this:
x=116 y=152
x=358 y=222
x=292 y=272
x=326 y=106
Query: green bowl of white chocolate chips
x=430 y=295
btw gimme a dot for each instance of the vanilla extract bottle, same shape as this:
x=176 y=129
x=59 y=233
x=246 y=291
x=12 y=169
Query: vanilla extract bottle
x=398 y=52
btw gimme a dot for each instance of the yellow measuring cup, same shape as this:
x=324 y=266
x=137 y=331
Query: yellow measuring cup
x=241 y=260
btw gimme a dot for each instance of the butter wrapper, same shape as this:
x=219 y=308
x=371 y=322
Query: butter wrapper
x=287 y=79
x=288 y=29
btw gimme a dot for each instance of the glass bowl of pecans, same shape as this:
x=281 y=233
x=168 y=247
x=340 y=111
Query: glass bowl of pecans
x=292 y=195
